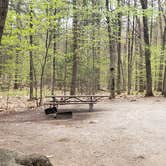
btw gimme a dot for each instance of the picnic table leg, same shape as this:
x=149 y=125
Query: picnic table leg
x=90 y=107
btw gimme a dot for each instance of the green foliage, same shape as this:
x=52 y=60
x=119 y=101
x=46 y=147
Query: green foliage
x=54 y=18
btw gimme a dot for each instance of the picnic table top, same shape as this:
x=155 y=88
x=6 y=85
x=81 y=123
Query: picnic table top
x=74 y=99
x=54 y=96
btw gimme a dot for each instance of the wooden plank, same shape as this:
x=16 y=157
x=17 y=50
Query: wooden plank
x=69 y=103
x=74 y=96
x=74 y=99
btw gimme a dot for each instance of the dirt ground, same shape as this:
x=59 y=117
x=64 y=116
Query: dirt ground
x=128 y=132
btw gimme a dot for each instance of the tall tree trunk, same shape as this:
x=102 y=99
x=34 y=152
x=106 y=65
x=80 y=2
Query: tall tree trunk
x=151 y=24
x=54 y=59
x=161 y=66
x=47 y=45
x=119 y=51
x=95 y=23
x=149 y=92
x=136 y=75
x=16 y=82
x=75 y=46
x=93 y=89
x=3 y=14
x=19 y=25
x=31 y=55
x=132 y=48
x=53 y=75
x=48 y=40
x=129 y=51
x=65 y=65
x=111 y=52
x=141 y=60
x=164 y=52
x=53 y=66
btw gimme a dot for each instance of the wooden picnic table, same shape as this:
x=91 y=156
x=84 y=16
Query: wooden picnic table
x=74 y=99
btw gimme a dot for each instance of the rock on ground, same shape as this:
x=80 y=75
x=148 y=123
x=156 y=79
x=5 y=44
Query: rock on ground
x=11 y=158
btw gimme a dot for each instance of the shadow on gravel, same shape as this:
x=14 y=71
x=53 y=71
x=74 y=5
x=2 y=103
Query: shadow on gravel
x=39 y=116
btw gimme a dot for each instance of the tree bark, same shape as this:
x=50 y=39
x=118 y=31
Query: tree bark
x=164 y=51
x=111 y=53
x=3 y=14
x=16 y=81
x=119 y=51
x=129 y=53
x=54 y=58
x=149 y=92
x=17 y=60
x=164 y=82
x=31 y=56
x=161 y=66
x=141 y=60
x=75 y=46
x=65 y=65
x=47 y=45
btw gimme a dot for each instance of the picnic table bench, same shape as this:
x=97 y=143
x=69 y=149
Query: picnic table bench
x=73 y=99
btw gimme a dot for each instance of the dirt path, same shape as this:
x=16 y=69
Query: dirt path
x=118 y=133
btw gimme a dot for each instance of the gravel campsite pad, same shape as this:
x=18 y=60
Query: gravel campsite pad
x=120 y=132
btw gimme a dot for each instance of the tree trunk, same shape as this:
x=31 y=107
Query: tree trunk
x=54 y=59
x=151 y=23
x=65 y=65
x=47 y=45
x=17 y=60
x=16 y=86
x=75 y=46
x=53 y=75
x=111 y=52
x=94 y=55
x=119 y=51
x=149 y=92
x=164 y=51
x=141 y=60
x=129 y=52
x=161 y=66
x=31 y=56
x=3 y=14
x=132 y=51
x=164 y=82
x=53 y=67
x=93 y=89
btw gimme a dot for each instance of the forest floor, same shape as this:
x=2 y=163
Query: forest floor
x=121 y=132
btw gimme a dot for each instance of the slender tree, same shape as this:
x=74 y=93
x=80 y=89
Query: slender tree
x=111 y=52
x=129 y=51
x=31 y=54
x=54 y=58
x=75 y=46
x=48 y=40
x=3 y=14
x=119 y=49
x=161 y=65
x=164 y=52
x=149 y=92
x=141 y=58
x=164 y=82
x=19 y=38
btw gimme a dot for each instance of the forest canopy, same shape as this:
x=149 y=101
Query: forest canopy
x=84 y=46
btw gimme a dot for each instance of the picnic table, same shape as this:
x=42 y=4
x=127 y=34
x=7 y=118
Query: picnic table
x=74 y=99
